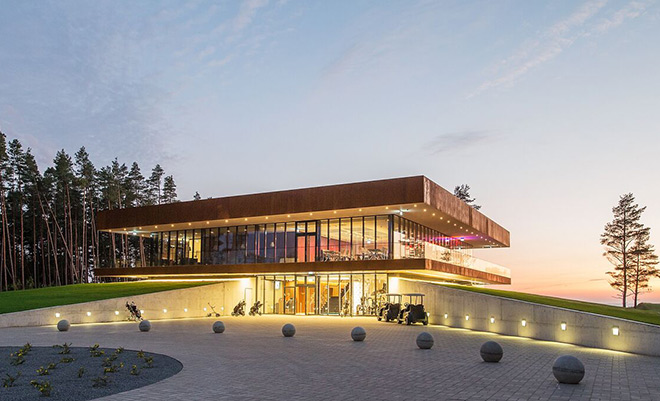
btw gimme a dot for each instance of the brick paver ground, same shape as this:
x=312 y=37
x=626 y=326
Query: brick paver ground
x=252 y=360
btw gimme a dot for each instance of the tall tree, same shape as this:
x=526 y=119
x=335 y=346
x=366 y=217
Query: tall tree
x=619 y=238
x=462 y=192
x=644 y=266
x=169 y=190
x=154 y=184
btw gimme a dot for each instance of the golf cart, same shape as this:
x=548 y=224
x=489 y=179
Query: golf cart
x=391 y=308
x=413 y=311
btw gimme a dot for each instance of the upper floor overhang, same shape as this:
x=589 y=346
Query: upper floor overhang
x=415 y=198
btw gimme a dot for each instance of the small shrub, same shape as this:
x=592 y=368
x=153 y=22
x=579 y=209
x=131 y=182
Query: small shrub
x=42 y=371
x=67 y=360
x=113 y=368
x=135 y=371
x=16 y=359
x=44 y=387
x=140 y=354
x=51 y=366
x=148 y=361
x=9 y=380
x=81 y=372
x=119 y=350
x=94 y=351
x=101 y=381
x=64 y=348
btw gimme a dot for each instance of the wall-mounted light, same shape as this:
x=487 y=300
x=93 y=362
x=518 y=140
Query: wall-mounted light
x=467 y=317
x=204 y=309
x=89 y=313
x=523 y=322
x=563 y=326
x=446 y=316
x=615 y=330
x=116 y=312
x=492 y=319
x=141 y=311
x=185 y=309
x=164 y=310
x=57 y=314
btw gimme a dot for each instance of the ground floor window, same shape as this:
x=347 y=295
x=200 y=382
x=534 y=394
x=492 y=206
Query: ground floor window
x=346 y=294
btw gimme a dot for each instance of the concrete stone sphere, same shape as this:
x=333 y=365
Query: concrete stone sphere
x=63 y=325
x=288 y=330
x=145 y=325
x=358 y=334
x=491 y=351
x=424 y=340
x=568 y=369
x=218 y=327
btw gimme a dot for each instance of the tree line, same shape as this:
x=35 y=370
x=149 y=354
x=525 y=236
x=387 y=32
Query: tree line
x=47 y=220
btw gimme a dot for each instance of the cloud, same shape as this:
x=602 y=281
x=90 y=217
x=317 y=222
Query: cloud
x=453 y=141
x=560 y=36
x=247 y=13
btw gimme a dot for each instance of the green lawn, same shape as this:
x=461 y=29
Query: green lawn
x=14 y=301
x=646 y=316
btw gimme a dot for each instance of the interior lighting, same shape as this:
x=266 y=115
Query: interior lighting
x=116 y=312
x=266 y=217
x=310 y=213
x=414 y=205
x=89 y=313
x=57 y=314
x=155 y=226
x=387 y=207
x=563 y=326
x=433 y=214
x=335 y=212
x=139 y=228
x=524 y=322
x=467 y=317
x=288 y=215
x=492 y=319
x=246 y=219
x=424 y=209
x=615 y=330
x=360 y=210
x=208 y=222
x=171 y=225
x=164 y=310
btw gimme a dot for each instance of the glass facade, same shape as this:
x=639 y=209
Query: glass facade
x=328 y=240
x=350 y=294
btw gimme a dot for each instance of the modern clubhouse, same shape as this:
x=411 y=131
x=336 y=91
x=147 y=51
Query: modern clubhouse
x=330 y=250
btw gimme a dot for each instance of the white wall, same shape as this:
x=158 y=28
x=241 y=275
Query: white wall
x=223 y=296
x=543 y=322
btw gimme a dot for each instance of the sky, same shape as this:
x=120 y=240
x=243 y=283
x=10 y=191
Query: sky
x=548 y=110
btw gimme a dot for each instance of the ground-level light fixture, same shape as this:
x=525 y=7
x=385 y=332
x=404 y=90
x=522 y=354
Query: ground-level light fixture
x=141 y=311
x=89 y=313
x=492 y=319
x=116 y=312
x=185 y=309
x=57 y=314
x=467 y=317
x=615 y=330
x=563 y=326
x=164 y=310
x=204 y=309
x=523 y=322
x=446 y=316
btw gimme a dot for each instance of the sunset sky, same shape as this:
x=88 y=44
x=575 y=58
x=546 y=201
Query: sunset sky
x=548 y=110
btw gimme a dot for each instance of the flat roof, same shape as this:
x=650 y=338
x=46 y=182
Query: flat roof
x=416 y=198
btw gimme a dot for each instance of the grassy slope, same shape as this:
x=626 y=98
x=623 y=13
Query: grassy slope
x=646 y=316
x=14 y=301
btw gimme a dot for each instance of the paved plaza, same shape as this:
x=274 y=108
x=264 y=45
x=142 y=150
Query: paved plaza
x=252 y=360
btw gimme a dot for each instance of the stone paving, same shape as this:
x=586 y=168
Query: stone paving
x=252 y=360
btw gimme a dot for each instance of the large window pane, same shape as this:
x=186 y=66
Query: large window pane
x=270 y=243
x=251 y=237
x=382 y=236
x=358 y=237
x=345 y=239
x=290 y=239
x=280 y=243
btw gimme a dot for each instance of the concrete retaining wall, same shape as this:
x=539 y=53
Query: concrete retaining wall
x=542 y=322
x=188 y=302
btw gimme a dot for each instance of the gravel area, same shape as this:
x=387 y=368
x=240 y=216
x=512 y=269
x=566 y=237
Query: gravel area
x=79 y=374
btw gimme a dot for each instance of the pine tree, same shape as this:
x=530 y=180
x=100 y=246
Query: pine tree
x=644 y=265
x=619 y=240
x=154 y=184
x=169 y=190
x=462 y=192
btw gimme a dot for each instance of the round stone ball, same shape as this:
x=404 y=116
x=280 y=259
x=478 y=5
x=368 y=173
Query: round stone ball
x=424 y=340
x=63 y=325
x=568 y=369
x=358 y=334
x=491 y=351
x=145 y=325
x=288 y=330
x=218 y=327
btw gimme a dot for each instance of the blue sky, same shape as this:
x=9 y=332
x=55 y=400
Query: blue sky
x=549 y=110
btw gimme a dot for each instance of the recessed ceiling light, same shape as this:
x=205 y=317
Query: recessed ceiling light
x=414 y=205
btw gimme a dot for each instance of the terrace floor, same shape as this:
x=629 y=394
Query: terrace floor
x=252 y=360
